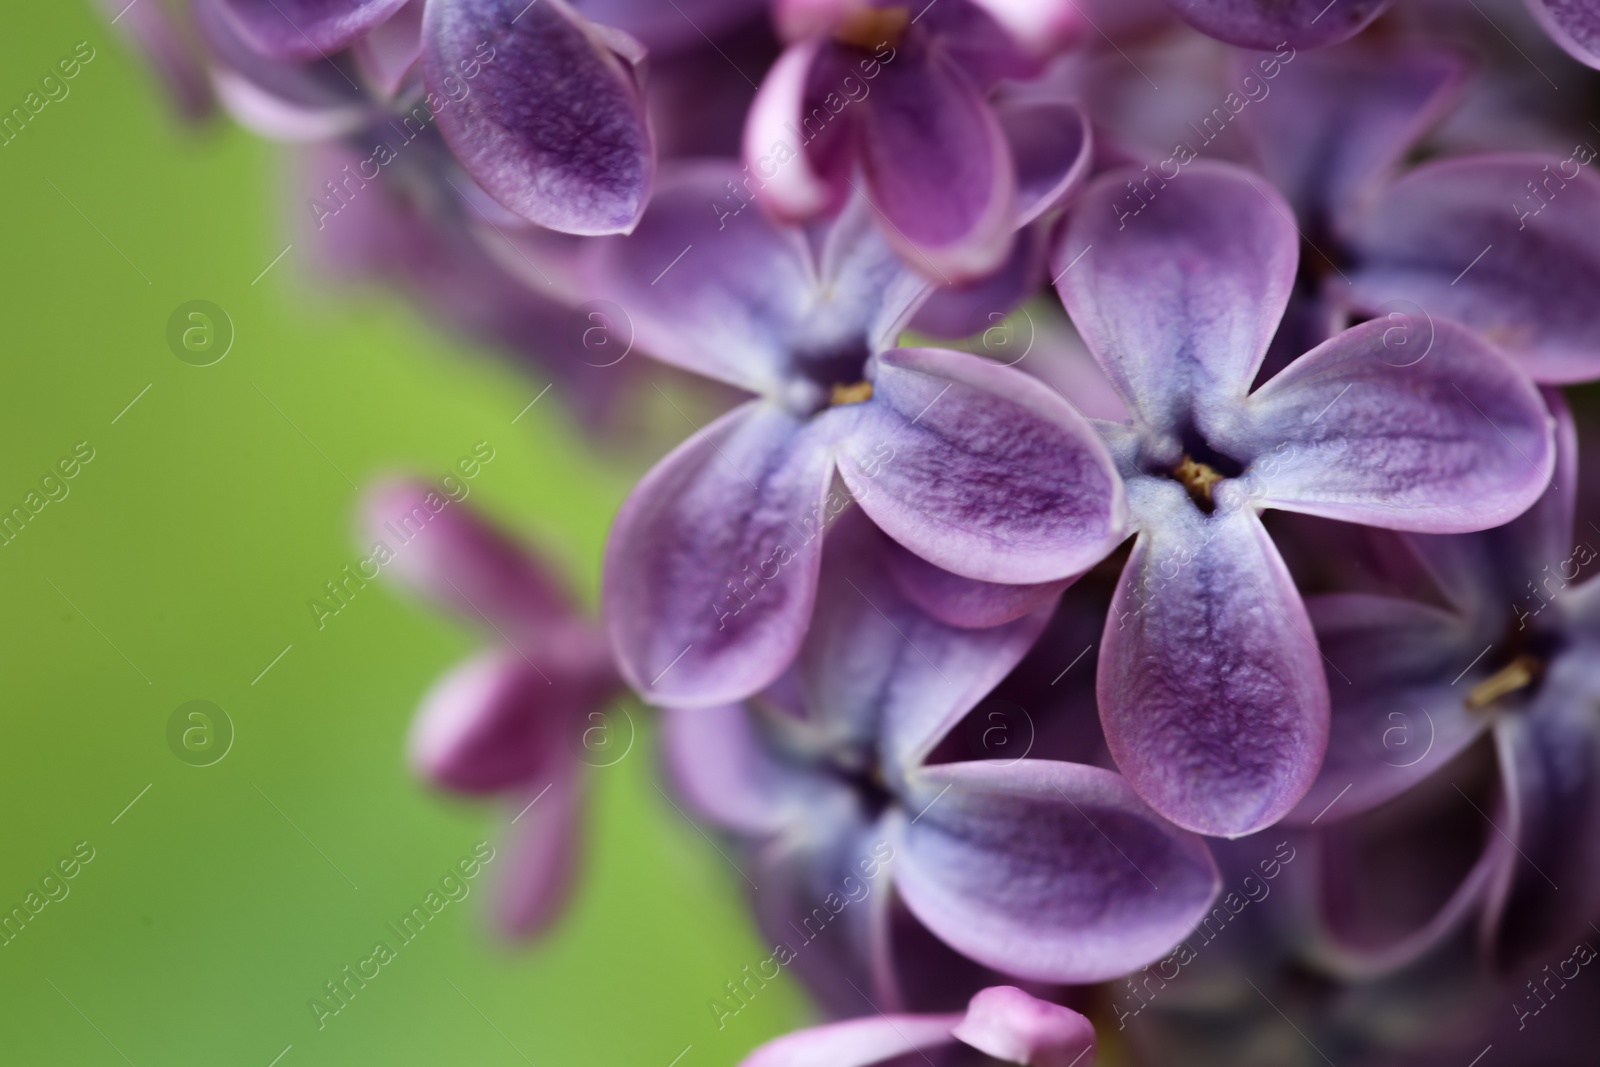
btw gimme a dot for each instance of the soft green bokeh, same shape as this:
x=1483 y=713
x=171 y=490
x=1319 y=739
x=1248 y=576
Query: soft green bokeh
x=181 y=564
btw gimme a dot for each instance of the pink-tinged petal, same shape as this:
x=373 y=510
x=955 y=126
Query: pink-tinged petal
x=723 y=770
x=1573 y=24
x=497 y=722
x=981 y=469
x=1049 y=871
x=965 y=602
x=542 y=853
x=392 y=52
x=1471 y=240
x=1178 y=295
x=855 y=1042
x=1052 y=147
x=874 y=665
x=442 y=549
x=1344 y=118
x=541 y=110
x=1043 y=26
x=1013 y=1026
x=171 y=50
x=711 y=568
x=801 y=169
x=708 y=283
x=938 y=168
x=1269 y=24
x=1210 y=684
x=1398 y=697
x=305 y=29
x=1454 y=441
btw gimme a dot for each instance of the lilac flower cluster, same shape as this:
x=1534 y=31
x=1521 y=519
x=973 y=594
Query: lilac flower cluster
x=1290 y=452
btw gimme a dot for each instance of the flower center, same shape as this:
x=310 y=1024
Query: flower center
x=872 y=27
x=1197 y=478
x=1517 y=675
x=853 y=393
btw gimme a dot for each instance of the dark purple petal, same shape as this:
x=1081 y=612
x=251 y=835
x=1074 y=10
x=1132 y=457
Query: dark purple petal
x=1471 y=240
x=1049 y=871
x=541 y=110
x=855 y=1042
x=542 y=853
x=1574 y=24
x=1269 y=24
x=1010 y=1025
x=981 y=469
x=965 y=602
x=1178 y=294
x=711 y=569
x=953 y=312
x=797 y=146
x=306 y=29
x=1211 y=689
x=1451 y=440
x=938 y=168
x=1051 y=149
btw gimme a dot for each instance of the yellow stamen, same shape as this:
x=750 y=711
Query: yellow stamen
x=1197 y=478
x=1515 y=675
x=851 y=394
x=873 y=27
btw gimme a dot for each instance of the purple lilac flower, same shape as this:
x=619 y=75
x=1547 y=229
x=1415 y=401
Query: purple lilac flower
x=890 y=101
x=513 y=721
x=1040 y=869
x=712 y=567
x=1003 y=1023
x=1514 y=654
x=1211 y=687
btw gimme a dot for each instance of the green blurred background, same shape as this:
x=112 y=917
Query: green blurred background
x=180 y=565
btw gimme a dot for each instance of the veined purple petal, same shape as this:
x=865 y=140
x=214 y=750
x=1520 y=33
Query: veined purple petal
x=1049 y=871
x=1269 y=24
x=1178 y=287
x=855 y=1042
x=981 y=469
x=305 y=29
x=541 y=111
x=938 y=169
x=1010 y=1025
x=1210 y=684
x=542 y=854
x=1471 y=240
x=711 y=568
x=1573 y=24
x=1456 y=440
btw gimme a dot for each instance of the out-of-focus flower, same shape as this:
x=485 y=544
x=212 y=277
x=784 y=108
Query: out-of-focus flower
x=1266 y=24
x=1211 y=688
x=1041 y=869
x=518 y=721
x=890 y=102
x=1002 y=1023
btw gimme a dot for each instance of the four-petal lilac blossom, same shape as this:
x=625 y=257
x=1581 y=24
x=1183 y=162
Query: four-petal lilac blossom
x=1211 y=687
x=1003 y=1023
x=1514 y=654
x=711 y=570
x=505 y=723
x=1039 y=869
x=890 y=101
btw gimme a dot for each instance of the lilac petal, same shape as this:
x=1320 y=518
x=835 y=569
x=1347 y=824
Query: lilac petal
x=1344 y=118
x=1178 y=299
x=496 y=722
x=1548 y=886
x=710 y=284
x=1468 y=240
x=1269 y=24
x=305 y=29
x=1051 y=149
x=541 y=110
x=1049 y=871
x=1457 y=440
x=1011 y=1025
x=671 y=26
x=855 y=1042
x=938 y=168
x=711 y=568
x=1398 y=699
x=542 y=856
x=965 y=602
x=720 y=765
x=1211 y=689
x=1039 y=25
x=393 y=51
x=953 y=312
x=981 y=469
x=800 y=167
x=861 y=281
x=442 y=549
x=1573 y=24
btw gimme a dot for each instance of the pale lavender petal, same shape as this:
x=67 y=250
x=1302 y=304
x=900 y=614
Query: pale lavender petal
x=1456 y=440
x=392 y=52
x=862 y=285
x=1013 y=1026
x=711 y=569
x=1211 y=689
x=1178 y=294
x=855 y=1042
x=1574 y=24
x=1048 y=871
x=1039 y=25
x=305 y=29
x=725 y=772
x=541 y=111
x=981 y=469
x=541 y=855
x=1472 y=240
x=792 y=143
x=1269 y=24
